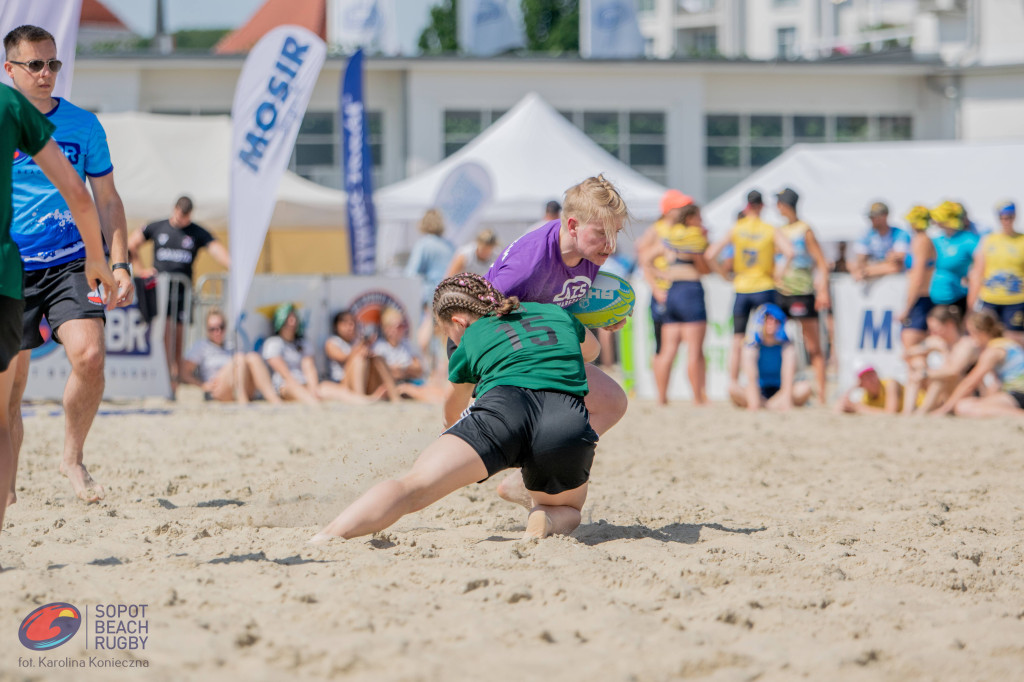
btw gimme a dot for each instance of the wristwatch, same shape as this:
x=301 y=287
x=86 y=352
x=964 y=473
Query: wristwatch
x=121 y=266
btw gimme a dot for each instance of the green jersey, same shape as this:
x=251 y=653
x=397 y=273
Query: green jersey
x=537 y=346
x=23 y=130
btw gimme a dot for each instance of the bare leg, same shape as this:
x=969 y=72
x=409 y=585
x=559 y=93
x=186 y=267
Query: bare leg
x=812 y=344
x=330 y=390
x=448 y=464
x=734 y=360
x=696 y=367
x=671 y=336
x=913 y=385
x=261 y=377
x=293 y=391
x=379 y=369
x=555 y=514
x=8 y=456
x=995 y=405
x=738 y=395
x=19 y=379
x=84 y=343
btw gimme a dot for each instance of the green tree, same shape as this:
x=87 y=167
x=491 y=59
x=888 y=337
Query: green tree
x=552 y=25
x=442 y=34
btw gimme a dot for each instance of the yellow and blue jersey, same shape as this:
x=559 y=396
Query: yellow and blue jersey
x=1011 y=370
x=42 y=225
x=798 y=279
x=754 y=262
x=1003 y=279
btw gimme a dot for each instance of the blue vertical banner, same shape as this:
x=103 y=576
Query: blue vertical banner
x=357 y=169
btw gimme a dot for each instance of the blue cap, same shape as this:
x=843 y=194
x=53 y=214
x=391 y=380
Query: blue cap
x=1006 y=208
x=755 y=333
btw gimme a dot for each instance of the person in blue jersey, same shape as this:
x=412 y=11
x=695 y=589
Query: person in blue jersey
x=954 y=255
x=23 y=130
x=883 y=250
x=768 y=362
x=53 y=251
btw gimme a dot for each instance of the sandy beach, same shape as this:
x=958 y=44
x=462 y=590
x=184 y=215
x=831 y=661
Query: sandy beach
x=715 y=544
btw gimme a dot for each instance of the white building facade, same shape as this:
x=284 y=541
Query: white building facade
x=700 y=126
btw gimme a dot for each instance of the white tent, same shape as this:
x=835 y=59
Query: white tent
x=532 y=155
x=159 y=158
x=837 y=183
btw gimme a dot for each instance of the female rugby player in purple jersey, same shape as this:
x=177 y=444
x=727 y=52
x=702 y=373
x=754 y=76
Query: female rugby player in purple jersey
x=557 y=263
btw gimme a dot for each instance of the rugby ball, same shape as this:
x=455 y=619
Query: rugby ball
x=609 y=300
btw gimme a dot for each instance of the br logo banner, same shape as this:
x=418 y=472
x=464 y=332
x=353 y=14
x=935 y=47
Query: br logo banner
x=49 y=626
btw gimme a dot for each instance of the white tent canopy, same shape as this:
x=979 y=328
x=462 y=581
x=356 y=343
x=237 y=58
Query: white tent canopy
x=159 y=158
x=837 y=183
x=532 y=155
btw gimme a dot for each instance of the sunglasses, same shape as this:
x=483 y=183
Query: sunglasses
x=36 y=65
x=218 y=328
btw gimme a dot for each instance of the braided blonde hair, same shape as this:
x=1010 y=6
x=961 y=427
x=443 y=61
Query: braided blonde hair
x=596 y=200
x=469 y=293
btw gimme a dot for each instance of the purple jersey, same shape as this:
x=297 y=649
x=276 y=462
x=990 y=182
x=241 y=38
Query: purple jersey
x=532 y=269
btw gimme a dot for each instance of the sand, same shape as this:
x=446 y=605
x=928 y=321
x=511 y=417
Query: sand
x=716 y=544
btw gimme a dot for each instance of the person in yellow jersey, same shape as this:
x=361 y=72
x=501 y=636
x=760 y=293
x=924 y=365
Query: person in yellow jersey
x=997 y=276
x=755 y=244
x=672 y=204
x=872 y=394
x=674 y=264
x=803 y=288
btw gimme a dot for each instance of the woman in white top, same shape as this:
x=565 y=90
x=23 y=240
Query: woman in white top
x=352 y=365
x=475 y=257
x=212 y=366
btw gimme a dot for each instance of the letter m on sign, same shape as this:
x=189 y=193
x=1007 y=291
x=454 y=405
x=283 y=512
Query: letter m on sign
x=884 y=328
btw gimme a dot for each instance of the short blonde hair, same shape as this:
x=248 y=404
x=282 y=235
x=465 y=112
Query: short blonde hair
x=391 y=317
x=432 y=222
x=595 y=200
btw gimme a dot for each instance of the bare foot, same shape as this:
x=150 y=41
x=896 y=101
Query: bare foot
x=83 y=484
x=321 y=538
x=12 y=497
x=538 y=525
x=512 y=489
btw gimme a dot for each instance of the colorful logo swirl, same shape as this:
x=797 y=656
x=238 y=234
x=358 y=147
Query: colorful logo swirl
x=49 y=626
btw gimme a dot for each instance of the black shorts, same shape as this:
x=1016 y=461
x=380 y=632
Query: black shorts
x=11 y=310
x=60 y=293
x=1019 y=397
x=767 y=392
x=176 y=306
x=746 y=304
x=545 y=433
x=798 y=307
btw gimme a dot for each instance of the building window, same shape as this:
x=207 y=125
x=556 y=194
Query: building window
x=785 y=3
x=723 y=141
x=697 y=42
x=461 y=126
x=809 y=129
x=645 y=6
x=786 y=42
x=636 y=138
x=317 y=155
x=695 y=6
x=766 y=139
x=852 y=129
x=744 y=142
x=895 y=128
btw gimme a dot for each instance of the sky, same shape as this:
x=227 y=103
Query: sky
x=140 y=15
